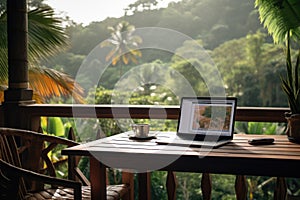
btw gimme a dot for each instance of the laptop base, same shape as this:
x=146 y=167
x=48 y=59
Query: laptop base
x=178 y=141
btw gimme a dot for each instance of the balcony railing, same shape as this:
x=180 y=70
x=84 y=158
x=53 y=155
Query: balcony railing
x=255 y=114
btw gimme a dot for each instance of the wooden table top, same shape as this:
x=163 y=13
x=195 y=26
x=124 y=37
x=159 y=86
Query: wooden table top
x=237 y=157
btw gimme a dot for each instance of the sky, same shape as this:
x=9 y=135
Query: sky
x=86 y=11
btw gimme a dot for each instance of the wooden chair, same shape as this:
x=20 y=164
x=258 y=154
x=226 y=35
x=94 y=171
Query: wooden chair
x=20 y=167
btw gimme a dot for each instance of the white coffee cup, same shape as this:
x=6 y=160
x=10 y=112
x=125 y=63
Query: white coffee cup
x=140 y=130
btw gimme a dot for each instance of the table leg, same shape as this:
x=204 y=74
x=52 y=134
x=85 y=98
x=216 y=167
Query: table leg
x=144 y=182
x=98 y=179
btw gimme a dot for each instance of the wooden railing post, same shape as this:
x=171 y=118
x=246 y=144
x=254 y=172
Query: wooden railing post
x=241 y=187
x=171 y=185
x=280 y=192
x=144 y=182
x=206 y=186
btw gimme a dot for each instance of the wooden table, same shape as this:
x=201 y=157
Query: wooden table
x=282 y=159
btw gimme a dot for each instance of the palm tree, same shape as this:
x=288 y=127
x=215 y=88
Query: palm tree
x=124 y=45
x=46 y=37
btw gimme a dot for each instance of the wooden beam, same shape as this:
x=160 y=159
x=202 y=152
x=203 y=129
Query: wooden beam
x=17 y=44
x=255 y=114
x=18 y=91
x=17 y=29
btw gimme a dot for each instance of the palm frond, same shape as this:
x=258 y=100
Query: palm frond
x=279 y=17
x=49 y=82
x=46 y=35
x=125 y=59
x=296 y=72
x=289 y=65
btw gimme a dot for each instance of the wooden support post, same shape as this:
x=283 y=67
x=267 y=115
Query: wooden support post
x=171 y=185
x=18 y=91
x=144 y=182
x=280 y=192
x=206 y=186
x=241 y=187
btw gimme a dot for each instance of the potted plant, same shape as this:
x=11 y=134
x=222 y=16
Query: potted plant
x=291 y=87
x=282 y=20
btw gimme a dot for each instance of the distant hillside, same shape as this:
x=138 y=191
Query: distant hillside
x=212 y=21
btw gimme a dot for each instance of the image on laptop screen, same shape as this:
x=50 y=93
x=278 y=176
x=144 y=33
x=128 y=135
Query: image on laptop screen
x=207 y=116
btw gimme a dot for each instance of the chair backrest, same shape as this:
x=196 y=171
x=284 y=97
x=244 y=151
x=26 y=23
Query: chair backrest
x=33 y=146
x=10 y=183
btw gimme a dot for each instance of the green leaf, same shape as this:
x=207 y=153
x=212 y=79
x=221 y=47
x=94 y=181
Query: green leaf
x=55 y=126
x=280 y=17
x=297 y=71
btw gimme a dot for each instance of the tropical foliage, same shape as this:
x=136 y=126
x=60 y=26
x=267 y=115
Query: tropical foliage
x=46 y=37
x=282 y=20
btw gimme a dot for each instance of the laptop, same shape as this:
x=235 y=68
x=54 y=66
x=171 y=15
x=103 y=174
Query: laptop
x=204 y=121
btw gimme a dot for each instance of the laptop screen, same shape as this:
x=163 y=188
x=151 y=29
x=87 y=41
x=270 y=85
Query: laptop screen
x=207 y=116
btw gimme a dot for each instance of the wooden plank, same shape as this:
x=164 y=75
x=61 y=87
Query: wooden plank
x=225 y=148
x=259 y=152
x=234 y=143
